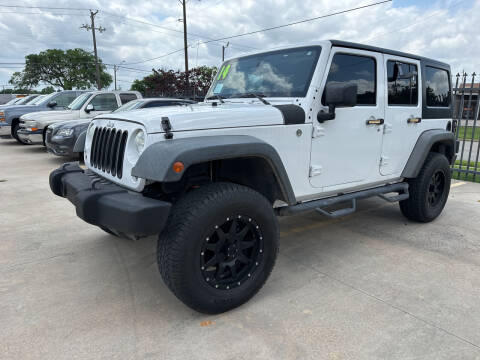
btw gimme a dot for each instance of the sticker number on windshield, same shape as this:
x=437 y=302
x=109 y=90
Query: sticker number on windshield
x=222 y=74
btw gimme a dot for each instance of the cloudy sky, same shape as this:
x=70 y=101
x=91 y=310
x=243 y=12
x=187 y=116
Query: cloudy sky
x=441 y=29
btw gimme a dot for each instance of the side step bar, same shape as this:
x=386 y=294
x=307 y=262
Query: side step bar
x=318 y=205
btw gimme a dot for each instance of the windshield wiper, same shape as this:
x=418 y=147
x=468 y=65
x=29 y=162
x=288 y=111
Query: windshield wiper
x=258 y=96
x=216 y=97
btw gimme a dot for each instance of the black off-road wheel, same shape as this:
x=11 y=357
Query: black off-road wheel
x=429 y=190
x=219 y=247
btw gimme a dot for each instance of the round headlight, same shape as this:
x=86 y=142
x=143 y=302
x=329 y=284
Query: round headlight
x=140 y=141
x=91 y=130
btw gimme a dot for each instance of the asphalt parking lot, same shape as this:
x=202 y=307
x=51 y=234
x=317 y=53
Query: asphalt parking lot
x=368 y=286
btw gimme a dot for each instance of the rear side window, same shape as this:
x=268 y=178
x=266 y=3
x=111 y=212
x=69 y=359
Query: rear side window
x=402 y=83
x=437 y=87
x=355 y=69
x=124 y=98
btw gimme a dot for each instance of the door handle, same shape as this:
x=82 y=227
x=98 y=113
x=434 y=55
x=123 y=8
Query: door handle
x=375 y=121
x=414 y=120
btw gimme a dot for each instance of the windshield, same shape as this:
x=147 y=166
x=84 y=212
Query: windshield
x=24 y=100
x=134 y=104
x=46 y=99
x=13 y=101
x=284 y=73
x=78 y=102
x=36 y=100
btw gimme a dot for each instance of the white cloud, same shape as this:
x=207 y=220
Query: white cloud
x=442 y=29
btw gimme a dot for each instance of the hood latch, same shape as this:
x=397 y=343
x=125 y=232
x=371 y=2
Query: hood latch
x=167 y=127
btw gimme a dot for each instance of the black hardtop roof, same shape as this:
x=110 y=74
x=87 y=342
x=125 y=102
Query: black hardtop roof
x=352 y=45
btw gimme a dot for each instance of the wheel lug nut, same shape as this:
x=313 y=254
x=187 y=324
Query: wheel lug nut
x=238 y=283
x=203 y=267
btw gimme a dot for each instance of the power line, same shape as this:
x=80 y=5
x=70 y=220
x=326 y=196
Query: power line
x=415 y=23
x=167 y=28
x=38 y=13
x=42 y=7
x=299 y=22
x=155 y=58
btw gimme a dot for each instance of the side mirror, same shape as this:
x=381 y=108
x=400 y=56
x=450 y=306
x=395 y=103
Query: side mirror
x=52 y=104
x=338 y=95
x=89 y=108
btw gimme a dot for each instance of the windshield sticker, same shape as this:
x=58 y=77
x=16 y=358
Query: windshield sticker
x=222 y=74
x=218 y=89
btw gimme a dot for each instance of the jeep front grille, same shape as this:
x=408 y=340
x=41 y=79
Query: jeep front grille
x=107 y=150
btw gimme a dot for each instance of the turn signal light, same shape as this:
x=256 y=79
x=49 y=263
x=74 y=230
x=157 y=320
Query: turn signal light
x=178 y=167
x=33 y=129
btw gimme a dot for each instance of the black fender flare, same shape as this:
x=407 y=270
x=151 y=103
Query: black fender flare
x=425 y=143
x=80 y=143
x=156 y=161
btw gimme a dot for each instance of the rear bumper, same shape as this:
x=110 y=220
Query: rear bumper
x=102 y=203
x=31 y=137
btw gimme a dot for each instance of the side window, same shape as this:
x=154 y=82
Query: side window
x=104 y=102
x=124 y=98
x=402 y=83
x=437 y=87
x=63 y=100
x=355 y=69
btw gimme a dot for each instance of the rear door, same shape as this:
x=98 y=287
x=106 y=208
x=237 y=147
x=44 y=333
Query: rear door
x=346 y=150
x=402 y=114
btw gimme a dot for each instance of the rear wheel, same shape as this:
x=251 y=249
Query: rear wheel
x=429 y=190
x=219 y=247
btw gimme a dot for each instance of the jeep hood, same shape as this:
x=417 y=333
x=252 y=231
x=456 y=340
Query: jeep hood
x=202 y=116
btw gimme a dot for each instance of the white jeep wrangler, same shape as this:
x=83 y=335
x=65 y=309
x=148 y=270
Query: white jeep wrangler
x=280 y=132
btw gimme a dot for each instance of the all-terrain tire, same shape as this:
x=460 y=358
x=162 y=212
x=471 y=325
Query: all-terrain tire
x=429 y=190
x=199 y=218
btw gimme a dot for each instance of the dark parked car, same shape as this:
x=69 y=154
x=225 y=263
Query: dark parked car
x=68 y=138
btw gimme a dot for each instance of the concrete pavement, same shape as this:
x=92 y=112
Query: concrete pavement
x=368 y=286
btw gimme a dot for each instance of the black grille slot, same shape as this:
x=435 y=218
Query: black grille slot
x=108 y=147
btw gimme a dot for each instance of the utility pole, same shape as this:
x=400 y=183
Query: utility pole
x=100 y=30
x=115 y=75
x=223 y=50
x=184 y=4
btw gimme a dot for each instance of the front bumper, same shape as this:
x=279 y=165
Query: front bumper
x=31 y=137
x=100 y=202
x=61 y=146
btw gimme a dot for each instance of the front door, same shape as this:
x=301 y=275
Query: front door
x=346 y=150
x=103 y=103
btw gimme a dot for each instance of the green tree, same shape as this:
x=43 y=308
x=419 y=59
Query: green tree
x=172 y=83
x=67 y=69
